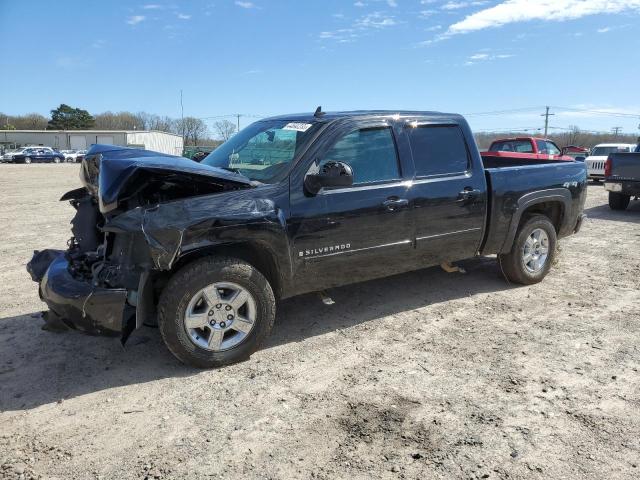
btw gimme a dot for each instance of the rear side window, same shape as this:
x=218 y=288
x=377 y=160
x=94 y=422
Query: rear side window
x=438 y=150
x=520 y=146
x=371 y=154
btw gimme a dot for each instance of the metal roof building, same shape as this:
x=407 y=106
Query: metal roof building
x=83 y=139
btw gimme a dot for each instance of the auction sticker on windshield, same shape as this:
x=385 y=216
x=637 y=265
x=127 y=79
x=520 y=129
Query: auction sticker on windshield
x=298 y=127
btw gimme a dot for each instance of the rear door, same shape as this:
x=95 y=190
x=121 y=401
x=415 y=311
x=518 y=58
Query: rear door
x=448 y=196
x=345 y=235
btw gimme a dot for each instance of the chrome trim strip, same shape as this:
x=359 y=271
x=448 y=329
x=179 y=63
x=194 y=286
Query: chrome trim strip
x=449 y=233
x=403 y=242
x=359 y=188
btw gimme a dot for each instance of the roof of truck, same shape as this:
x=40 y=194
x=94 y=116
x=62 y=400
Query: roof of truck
x=328 y=116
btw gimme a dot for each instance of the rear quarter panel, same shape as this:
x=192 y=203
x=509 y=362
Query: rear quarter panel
x=513 y=187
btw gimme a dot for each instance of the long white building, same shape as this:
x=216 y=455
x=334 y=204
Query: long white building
x=83 y=139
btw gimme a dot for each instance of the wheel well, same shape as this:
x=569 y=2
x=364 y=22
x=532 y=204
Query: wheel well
x=259 y=257
x=554 y=211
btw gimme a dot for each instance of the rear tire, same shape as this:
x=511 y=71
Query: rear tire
x=180 y=298
x=618 y=201
x=56 y=159
x=532 y=253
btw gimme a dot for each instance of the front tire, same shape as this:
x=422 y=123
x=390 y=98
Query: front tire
x=27 y=160
x=216 y=311
x=532 y=252
x=618 y=201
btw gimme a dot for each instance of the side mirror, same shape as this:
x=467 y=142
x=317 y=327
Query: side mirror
x=331 y=174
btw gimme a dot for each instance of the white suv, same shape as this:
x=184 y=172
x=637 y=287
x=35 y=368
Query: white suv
x=599 y=154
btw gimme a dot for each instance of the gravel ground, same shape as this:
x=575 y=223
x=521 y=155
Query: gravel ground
x=422 y=375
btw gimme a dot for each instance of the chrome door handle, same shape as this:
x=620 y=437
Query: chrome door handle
x=395 y=203
x=467 y=194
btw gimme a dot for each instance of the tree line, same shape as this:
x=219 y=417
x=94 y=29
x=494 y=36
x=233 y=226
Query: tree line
x=194 y=130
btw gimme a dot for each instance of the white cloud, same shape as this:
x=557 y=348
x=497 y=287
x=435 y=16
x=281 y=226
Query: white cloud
x=375 y=20
x=136 y=19
x=434 y=28
x=604 y=30
x=513 y=11
x=392 y=3
x=454 y=5
x=183 y=16
x=152 y=6
x=362 y=26
x=486 y=57
x=245 y=4
x=359 y=4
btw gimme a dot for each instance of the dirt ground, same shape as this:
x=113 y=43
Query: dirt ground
x=422 y=375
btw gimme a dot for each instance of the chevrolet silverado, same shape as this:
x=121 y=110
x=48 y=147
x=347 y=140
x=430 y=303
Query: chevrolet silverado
x=292 y=204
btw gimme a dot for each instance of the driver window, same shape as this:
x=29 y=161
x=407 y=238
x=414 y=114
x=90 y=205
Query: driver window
x=370 y=152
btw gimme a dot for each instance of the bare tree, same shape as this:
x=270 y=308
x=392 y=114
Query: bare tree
x=225 y=129
x=192 y=128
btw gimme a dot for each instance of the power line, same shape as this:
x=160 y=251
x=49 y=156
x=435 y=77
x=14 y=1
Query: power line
x=599 y=112
x=616 y=130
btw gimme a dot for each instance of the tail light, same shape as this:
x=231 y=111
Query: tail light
x=607 y=168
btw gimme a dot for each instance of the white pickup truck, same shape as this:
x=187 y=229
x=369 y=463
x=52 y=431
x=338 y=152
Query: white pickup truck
x=600 y=153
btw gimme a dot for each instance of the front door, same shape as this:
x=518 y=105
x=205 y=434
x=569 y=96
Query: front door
x=345 y=235
x=448 y=194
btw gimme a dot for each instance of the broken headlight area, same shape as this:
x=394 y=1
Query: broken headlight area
x=93 y=285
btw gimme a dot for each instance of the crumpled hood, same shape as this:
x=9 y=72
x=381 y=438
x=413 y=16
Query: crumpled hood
x=114 y=174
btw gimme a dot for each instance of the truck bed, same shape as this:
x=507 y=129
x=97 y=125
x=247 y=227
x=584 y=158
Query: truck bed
x=515 y=182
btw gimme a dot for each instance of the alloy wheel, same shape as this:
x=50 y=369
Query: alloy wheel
x=535 y=251
x=220 y=316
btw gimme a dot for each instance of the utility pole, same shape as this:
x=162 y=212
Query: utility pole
x=238 y=115
x=616 y=130
x=182 y=117
x=546 y=116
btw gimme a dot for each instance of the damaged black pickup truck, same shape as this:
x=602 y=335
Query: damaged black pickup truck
x=292 y=204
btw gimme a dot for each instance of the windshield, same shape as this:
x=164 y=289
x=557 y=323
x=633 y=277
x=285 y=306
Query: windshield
x=520 y=146
x=606 y=151
x=264 y=150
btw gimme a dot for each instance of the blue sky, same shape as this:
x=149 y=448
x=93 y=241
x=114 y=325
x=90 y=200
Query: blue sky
x=265 y=57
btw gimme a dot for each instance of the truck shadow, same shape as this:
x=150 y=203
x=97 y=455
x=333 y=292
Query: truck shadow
x=38 y=368
x=603 y=212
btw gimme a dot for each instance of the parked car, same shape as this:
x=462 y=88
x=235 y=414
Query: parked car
x=203 y=250
x=33 y=154
x=526 y=148
x=599 y=154
x=73 y=156
x=622 y=179
x=577 y=153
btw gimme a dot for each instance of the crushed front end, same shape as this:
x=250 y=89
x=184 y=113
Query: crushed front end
x=103 y=284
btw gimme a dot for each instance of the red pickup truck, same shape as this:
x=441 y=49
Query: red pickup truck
x=526 y=148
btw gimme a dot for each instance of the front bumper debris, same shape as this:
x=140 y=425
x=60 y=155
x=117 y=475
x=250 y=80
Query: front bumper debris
x=78 y=304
